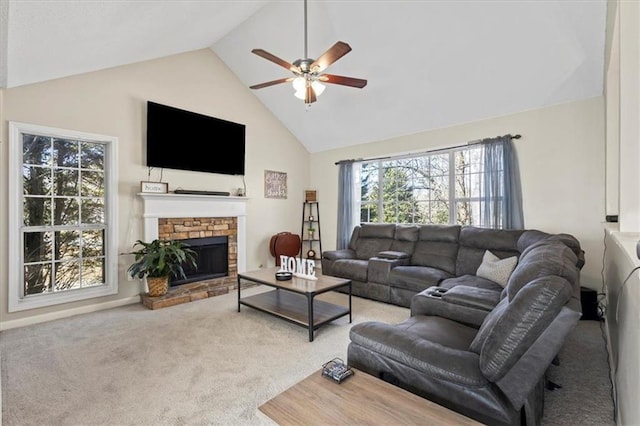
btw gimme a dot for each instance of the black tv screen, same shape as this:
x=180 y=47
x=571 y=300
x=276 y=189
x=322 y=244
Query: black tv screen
x=185 y=140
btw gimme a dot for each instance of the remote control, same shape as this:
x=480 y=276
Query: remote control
x=336 y=370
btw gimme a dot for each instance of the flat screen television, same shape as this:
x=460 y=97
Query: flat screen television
x=185 y=140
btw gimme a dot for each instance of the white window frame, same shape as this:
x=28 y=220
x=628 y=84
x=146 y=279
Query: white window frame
x=17 y=300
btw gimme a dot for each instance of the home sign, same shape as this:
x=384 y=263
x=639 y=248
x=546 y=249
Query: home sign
x=301 y=268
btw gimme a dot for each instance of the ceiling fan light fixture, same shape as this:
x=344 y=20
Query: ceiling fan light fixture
x=300 y=94
x=299 y=83
x=300 y=86
x=318 y=87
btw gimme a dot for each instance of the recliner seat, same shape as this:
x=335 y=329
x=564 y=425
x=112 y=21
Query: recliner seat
x=495 y=373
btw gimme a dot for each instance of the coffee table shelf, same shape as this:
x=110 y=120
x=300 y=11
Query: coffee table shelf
x=293 y=307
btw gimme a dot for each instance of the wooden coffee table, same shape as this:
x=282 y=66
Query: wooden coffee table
x=359 y=400
x=293 y=300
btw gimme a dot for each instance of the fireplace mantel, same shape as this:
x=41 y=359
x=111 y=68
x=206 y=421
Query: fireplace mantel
x=156 y=206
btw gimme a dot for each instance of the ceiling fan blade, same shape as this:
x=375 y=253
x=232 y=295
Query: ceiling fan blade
x=270 y=83
x=270 y=57
x=310 y=95
x=345 y=81
x=334 y=53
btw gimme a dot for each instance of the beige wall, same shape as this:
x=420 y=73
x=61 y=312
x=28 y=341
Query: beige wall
x=561 y=165
x=629 y=115
x=113 y=102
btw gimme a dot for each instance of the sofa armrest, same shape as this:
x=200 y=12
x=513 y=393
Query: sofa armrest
x=431 y=301
x=393 y=255
x=329 y=257
x=339 y=254
x=473 y=297
x=379 y=268
x=533 y=363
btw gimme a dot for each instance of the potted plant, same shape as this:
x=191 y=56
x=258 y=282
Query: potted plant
x=312 y=232
x=158 y=261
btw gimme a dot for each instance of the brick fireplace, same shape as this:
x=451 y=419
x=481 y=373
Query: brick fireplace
x=189 y=217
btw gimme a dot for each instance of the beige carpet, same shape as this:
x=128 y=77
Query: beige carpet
x=200 y=363
x=192 y=364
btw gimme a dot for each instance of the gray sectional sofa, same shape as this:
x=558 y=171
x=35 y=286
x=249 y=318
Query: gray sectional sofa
x=479 y=346
x=392 y=263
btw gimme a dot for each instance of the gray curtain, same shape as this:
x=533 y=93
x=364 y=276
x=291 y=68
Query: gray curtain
x=501 y=194
x=345 y=204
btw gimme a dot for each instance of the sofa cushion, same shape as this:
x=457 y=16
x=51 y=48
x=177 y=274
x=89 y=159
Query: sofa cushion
x=405 y=238
x=511 y=328
x=374 y=238
x=352 y=269
x=495 y=269
x=571 y=242
x=407 y=233
x=475 y=241
x=529 y=237
x=542 y=259
x=416 y=278
x=387 y=342
x=437 y=247
x=377 y=230
x=439 y=330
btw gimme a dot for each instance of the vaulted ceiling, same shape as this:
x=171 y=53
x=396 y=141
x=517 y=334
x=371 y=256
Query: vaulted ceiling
x=429 y=64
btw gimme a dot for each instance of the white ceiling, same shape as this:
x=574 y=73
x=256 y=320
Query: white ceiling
x=429 y=64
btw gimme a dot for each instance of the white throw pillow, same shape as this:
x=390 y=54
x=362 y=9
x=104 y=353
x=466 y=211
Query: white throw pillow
x=495 y=269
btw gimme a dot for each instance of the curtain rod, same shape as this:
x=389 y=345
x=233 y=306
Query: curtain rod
x=477 y=141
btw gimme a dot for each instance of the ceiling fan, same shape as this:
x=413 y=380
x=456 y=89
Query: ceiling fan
x=308 y=73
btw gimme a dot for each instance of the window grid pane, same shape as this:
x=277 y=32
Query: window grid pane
x=64 y=188
x=37 y=278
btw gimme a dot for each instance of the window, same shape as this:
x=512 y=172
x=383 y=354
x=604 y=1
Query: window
x=62 y=216
x=440 y=188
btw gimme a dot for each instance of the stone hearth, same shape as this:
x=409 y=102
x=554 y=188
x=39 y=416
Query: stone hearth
x=184 y=294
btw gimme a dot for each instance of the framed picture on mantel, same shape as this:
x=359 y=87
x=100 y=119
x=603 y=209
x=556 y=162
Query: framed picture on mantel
x=154 y=187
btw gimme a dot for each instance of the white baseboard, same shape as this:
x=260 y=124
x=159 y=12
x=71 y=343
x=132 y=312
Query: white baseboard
x=36 y=319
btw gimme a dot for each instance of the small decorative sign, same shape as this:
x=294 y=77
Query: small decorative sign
x=301 y=268
x=154 y=187
x=275 y=184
